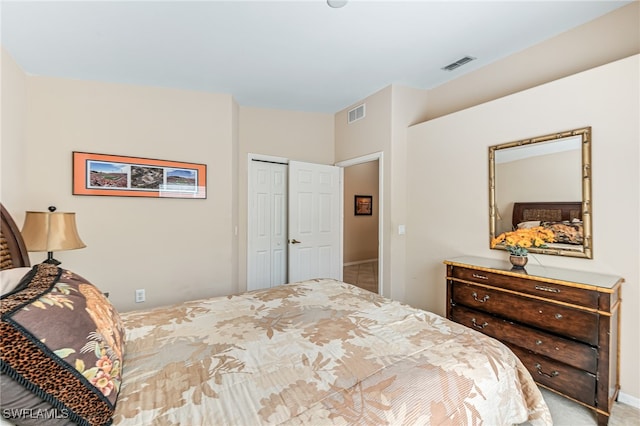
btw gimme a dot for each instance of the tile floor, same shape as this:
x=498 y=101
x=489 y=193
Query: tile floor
x=363 y=275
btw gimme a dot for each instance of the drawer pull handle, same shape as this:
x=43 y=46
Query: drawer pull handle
x=482 y=277
x=549 y=289
x=538 y=342
x=484 y=299
x=558 y=316
x=553 y=374
x=476 y=325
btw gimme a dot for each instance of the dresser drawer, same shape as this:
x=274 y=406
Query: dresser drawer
x=562 y=320
x=576 y=296
x=567 y=380
x=575 y=354
x=562 y=324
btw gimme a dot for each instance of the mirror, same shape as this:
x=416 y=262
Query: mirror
x=544 y=181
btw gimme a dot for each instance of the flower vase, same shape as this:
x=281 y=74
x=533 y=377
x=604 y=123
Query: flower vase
x=518 y=262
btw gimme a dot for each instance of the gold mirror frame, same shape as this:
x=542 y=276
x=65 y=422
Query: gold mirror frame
x=585 y=134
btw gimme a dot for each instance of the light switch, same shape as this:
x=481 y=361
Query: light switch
x=401 y=230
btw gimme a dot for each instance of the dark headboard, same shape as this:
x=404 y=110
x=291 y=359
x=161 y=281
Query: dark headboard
x=546 y=211
x=13 y=252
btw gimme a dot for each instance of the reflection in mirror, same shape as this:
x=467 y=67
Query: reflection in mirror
x=544 y=181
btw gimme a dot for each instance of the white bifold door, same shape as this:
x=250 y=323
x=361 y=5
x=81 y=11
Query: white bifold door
x=267 y=215
x=294 y=214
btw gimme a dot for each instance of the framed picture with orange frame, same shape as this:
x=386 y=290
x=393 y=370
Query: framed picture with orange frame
x=117 y=175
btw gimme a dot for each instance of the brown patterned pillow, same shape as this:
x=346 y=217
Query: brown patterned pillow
x=567 y=232
x=62 y=340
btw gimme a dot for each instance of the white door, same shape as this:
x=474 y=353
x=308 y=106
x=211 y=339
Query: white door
x=267 y=227
x=314 y=221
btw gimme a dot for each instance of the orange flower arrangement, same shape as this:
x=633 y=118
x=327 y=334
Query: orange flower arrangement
x=517 y=242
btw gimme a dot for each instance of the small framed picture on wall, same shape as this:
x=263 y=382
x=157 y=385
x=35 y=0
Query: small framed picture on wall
x=363 y=205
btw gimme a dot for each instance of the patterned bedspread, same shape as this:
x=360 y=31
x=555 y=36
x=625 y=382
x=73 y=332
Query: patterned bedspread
x=317 y=352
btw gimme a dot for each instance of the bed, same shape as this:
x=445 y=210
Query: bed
x=315 y=352
x=564 y=219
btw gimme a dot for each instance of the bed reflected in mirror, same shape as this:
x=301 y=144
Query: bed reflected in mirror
x=544 y=181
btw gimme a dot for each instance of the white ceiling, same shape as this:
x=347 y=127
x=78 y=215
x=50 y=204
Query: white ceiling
x=294 y=55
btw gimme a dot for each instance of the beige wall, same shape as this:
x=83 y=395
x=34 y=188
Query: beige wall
x=389 y=113
x=613 y=36
x=448 y=185
x=13 y=157
x=235 y=194
x=59 y=116
x=360 y=232
x=408 y=105
x=291 y=135
x=370 y=135
x=177 y=249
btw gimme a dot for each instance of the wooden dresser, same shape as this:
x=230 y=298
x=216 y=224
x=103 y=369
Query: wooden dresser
x=562 y=324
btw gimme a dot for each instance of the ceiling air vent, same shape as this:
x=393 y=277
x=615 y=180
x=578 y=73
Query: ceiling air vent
x=460 y=62
x=356 y=113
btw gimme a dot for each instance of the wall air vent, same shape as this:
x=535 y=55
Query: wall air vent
x=356 y=114
x=460 y=62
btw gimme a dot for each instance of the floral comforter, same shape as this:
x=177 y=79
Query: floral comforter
x=316 y=352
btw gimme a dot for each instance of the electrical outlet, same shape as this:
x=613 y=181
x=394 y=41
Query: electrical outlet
x=140 y=296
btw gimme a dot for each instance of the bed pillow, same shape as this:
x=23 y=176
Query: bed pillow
x=528 y=224
x=10 y=278
x=62 y=340
x=567 y=232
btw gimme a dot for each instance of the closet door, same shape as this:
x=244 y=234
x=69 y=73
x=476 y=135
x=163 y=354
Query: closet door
x=267 y=228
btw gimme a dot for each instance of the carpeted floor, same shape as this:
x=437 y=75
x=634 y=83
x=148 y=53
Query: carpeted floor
x=568 y=413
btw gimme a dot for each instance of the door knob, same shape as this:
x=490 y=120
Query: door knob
x=294 y=241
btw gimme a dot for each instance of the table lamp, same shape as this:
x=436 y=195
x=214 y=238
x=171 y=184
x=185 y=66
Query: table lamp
x=51 y=231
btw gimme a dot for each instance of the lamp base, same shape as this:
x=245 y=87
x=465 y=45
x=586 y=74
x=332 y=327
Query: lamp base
x=50 y=260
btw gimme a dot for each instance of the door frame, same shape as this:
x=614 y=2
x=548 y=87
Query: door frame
x=359 y=160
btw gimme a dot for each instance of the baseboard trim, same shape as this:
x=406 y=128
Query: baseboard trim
x=629 y=400
x=358 y=262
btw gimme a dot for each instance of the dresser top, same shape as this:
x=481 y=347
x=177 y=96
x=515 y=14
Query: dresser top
x=535 y=270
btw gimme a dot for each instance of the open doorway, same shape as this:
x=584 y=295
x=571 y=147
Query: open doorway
x=362 y=208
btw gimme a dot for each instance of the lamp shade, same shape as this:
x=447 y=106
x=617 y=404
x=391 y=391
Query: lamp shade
x=51 y=231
